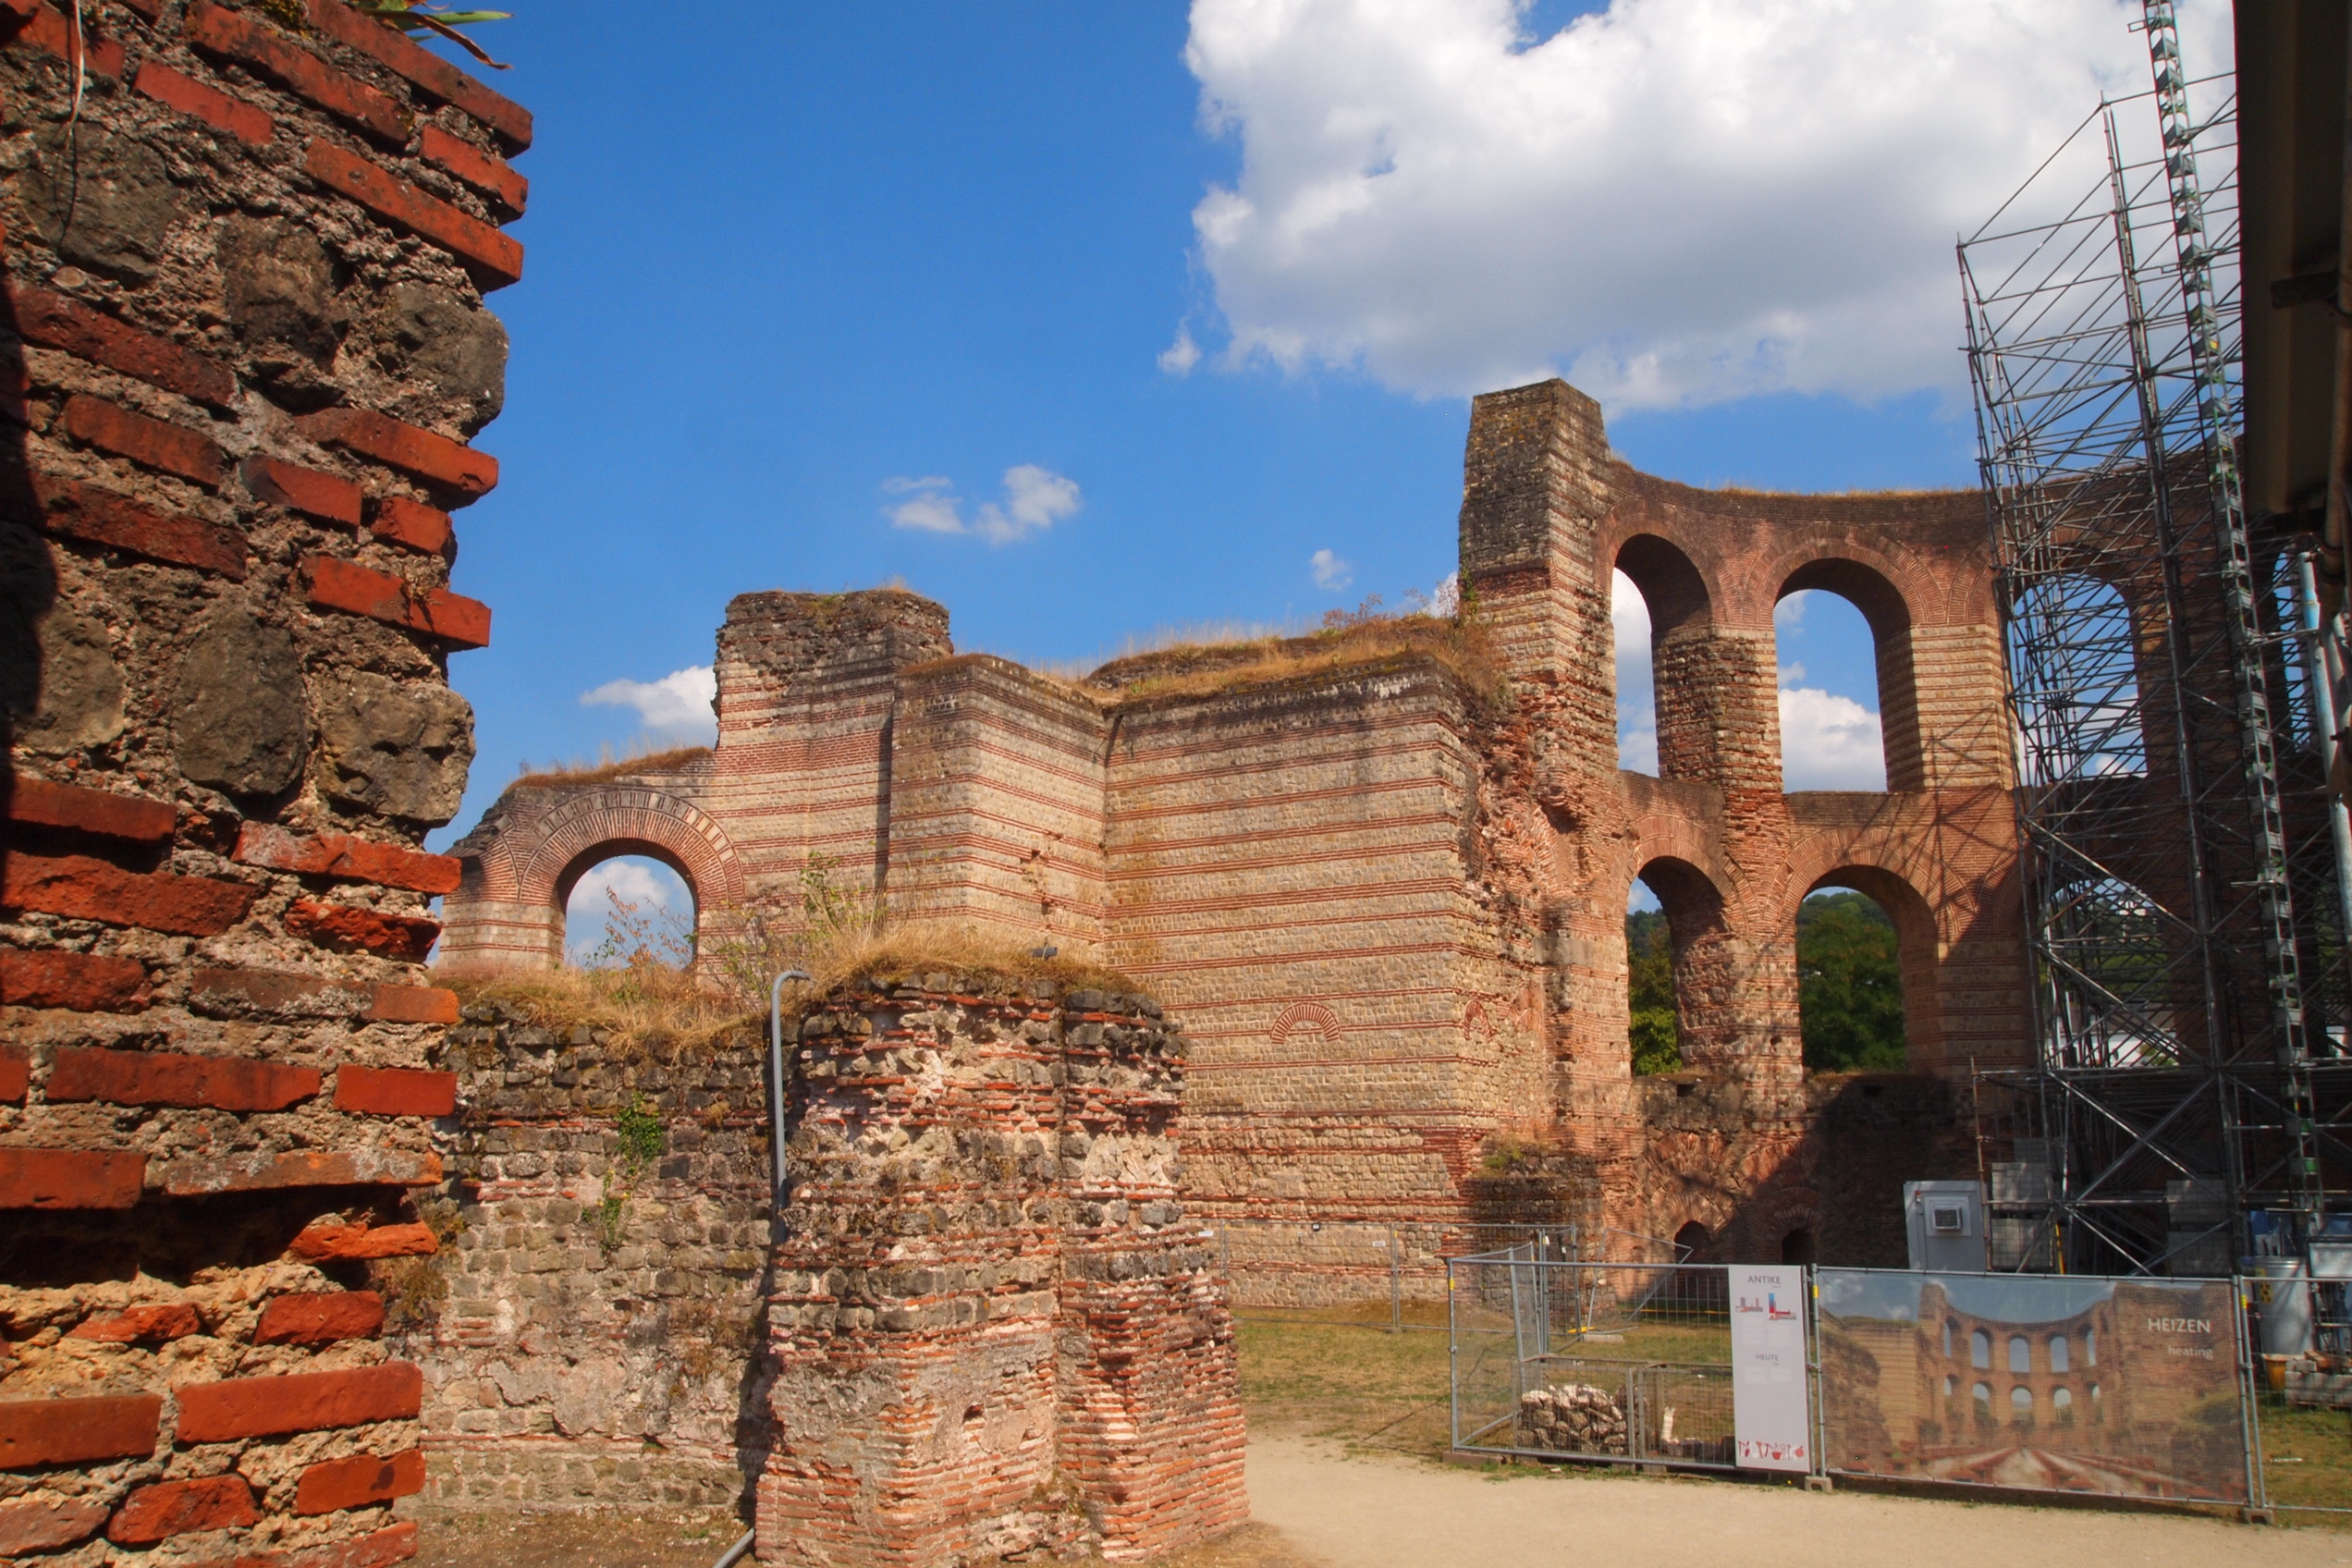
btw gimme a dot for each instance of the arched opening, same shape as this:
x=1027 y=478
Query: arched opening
x=1658 y=601
x=1849 y=709
x=626 y=904
x=1676 y=974
x=1866 y=957
x=1979 y=1350
x=1690 y=1243
x=2074 y=673
x=1797 y=1248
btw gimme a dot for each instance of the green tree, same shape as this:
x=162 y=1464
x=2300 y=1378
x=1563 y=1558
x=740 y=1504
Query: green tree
x=1649 y=955
x=1850 y=985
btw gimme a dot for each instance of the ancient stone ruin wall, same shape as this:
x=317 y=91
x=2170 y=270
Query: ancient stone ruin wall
x=243 y=328
x=592 y=1331
x=1385 y=877
x=995 y=1330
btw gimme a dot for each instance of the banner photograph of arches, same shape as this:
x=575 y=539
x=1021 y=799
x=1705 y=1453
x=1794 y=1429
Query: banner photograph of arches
x=2076 y=1384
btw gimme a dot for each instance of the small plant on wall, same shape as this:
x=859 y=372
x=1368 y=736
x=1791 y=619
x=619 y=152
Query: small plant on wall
x=408 y=16
x=639 y=1127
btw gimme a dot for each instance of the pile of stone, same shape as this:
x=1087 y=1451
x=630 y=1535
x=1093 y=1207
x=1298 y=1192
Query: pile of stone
x=1572 y=1418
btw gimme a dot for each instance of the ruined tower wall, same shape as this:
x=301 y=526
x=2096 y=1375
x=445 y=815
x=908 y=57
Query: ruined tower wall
x=997 y=805
x=246 y=349
x=1385 y=882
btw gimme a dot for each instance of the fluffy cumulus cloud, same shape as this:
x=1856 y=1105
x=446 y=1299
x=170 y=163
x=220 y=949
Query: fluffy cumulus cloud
x=1636 y=694
x=1033 y=500
x=1670 y=203
x=645 y=891
x=1328 y=570
x=677 y=705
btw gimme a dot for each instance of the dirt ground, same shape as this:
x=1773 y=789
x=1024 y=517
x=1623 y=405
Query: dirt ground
x=1383 y=1511
x=1348 y=1428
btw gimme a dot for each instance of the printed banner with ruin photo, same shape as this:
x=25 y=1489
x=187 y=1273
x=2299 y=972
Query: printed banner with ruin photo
x=2066 y=1383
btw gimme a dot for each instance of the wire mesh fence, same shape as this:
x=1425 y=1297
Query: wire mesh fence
x=1383 y=1275
x=1612 y=1361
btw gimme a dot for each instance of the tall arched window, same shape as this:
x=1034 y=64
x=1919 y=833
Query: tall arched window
x=2058 y=1353
x=1832 y=728
x=1979 y=1348
x=2020 y=1353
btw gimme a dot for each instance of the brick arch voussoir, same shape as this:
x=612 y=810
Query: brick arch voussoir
x=628 y=817
x=1903 y=859
x=1930 y=597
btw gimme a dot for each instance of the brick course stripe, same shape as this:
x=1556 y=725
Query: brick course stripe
x=307 y=1401
x=320 y=1317
x=428 y=70
x=215 y=108
x=74 y=1431
x=345 y=929
x=54 y=321
x=413 y=523
x=395 y=1091
x=305 y=1168
x=157 y=1078
x=336 y=854
x=306 y=490
x=83 y=888
x=70 y=1178
x=283 y=60
x=39 y=803
x=276 y=991
x=16 y=1072
x=381 y=595
x=405 y=447
x=45 y=29
x=35 y=1524
x=413 y=1004
x=492 y=177
x=83 y=982
x=171 y=447
x=91 y=514
x=179 y=1508
x=326 y=1244
x=155 y=1323
x=394 y=199
x=354 y=1483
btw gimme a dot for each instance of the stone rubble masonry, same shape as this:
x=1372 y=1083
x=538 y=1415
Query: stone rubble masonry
x=243 y=357
x=994 y=1329
x=578 y=1353
x=1386 y=893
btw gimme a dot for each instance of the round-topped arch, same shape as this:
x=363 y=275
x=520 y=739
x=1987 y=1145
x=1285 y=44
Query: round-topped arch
x=521 y=863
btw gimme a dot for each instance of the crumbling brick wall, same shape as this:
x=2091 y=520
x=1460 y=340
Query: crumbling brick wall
x=245 y=349
x=994 y=1329
x=594 y=1330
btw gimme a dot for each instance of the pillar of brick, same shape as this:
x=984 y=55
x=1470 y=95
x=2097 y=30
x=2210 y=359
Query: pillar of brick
x=994 y=1331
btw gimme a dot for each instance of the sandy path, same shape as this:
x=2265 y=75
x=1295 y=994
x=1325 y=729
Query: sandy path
x=1385 y=1512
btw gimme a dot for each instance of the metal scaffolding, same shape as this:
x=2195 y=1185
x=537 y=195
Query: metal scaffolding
x=2179 y=856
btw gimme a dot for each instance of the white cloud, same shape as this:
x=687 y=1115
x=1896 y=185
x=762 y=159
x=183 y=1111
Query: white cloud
x=1789 y=614
x=1674 y=202
x=658 y=898
x=1829 y=742
x=1035 y=499
x=1636 y=695
x=1179 y=357
x=1329 y=571
x=678 y=703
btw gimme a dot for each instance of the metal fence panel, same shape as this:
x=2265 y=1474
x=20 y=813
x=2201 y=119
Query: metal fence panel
x=2129 y=1386
x=1619 y=1362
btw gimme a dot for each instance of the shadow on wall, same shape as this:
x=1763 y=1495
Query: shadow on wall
x=44 y=647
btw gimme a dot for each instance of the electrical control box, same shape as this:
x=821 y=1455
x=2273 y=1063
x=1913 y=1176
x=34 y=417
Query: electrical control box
x=1945 y=1222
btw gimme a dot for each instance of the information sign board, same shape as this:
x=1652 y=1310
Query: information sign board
x=1771 y=1424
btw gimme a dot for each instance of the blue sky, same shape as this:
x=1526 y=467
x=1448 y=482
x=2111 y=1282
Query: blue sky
x=782 y=257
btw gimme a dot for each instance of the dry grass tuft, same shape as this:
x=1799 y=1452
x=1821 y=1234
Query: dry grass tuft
x=610 y=767
x=1364 y=639
x=646 y=1001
